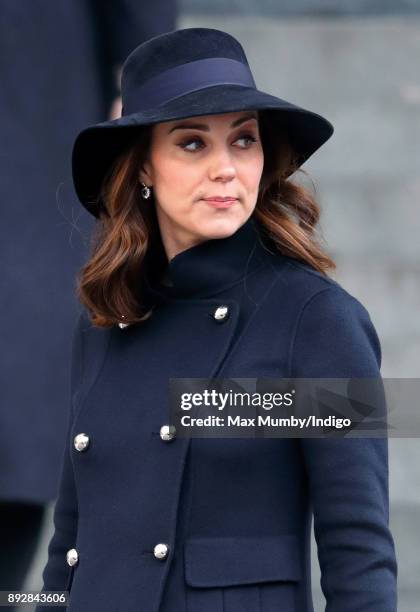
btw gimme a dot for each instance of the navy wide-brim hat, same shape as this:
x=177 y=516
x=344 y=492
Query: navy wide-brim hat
x=180 y=74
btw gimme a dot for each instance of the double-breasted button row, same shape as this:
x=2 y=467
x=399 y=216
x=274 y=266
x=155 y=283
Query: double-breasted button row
x=221 y=314
x=167 y=432
x=160 y=551
x=81 y=442
x=72 y=557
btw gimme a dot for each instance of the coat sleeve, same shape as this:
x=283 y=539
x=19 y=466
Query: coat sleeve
x=57 y=573
x=348 y=477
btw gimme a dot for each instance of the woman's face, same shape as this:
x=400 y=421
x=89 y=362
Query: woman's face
x=191 y=160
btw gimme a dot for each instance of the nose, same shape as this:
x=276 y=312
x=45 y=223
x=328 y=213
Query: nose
x=222 y=166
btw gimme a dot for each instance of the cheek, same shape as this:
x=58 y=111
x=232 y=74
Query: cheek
x=252 y=172
x=177 y=176
x=177 y=184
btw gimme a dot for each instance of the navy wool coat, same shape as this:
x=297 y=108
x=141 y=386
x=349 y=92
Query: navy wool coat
x=233 y=515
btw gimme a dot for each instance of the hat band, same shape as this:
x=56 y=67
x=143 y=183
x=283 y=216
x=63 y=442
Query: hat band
x=185 y=79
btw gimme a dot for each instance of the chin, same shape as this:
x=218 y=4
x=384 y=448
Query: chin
x=223 y=226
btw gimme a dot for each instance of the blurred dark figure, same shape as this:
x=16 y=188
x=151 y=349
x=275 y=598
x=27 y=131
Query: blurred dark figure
x=59 y=62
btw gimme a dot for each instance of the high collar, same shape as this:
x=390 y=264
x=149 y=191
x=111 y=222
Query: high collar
x=213 y=265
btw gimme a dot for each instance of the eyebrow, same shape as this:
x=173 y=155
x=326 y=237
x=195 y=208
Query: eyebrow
x=205 y=127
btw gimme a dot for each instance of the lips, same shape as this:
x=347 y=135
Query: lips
x=220 y=202
x=220 y=199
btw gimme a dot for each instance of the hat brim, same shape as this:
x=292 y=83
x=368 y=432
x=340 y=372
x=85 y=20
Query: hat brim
x=96 y=147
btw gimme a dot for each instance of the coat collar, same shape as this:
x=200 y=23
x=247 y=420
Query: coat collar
x=213 y=265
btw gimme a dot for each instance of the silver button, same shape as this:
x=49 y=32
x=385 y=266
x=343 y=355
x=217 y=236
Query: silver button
x=221 y=313
x=81 y=442
x=72 y=557
x=167 y=432
x=161 y=551
x=121 y=324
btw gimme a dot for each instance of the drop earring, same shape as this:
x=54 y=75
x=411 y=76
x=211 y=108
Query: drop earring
x=145 y=192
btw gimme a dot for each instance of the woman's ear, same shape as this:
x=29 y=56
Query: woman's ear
x=145 y=174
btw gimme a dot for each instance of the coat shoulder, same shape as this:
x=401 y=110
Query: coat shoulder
x=302 y=282
x=317 y=297
x=330 y=327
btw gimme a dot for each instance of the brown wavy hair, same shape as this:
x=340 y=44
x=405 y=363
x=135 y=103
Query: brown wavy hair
x=127 y=254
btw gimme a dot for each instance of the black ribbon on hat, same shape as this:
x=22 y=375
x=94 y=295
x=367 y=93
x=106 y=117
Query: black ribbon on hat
x=185 y=79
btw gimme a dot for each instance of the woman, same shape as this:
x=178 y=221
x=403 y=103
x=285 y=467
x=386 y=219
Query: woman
x=205 y=263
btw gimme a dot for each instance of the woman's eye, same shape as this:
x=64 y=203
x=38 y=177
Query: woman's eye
x=184 y=145
x=187 y=143
x=249 y=137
